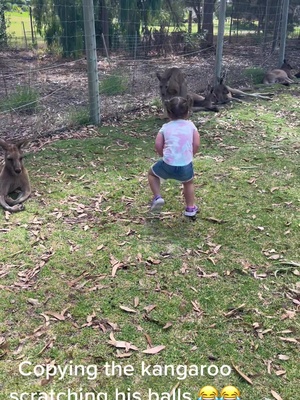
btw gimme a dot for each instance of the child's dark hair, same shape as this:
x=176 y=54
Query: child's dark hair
x=178 y=107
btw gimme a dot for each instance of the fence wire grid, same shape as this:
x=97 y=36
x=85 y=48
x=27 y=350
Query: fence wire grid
x=131 y=61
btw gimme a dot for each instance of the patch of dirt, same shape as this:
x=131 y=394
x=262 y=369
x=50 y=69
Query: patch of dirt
x=63 y=85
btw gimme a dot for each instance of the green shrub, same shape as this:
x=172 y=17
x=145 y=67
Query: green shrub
x=16 y=8
x=8 y=6
x=80 y=117
x=113 y=84
x=23 y=100
x=255 y=74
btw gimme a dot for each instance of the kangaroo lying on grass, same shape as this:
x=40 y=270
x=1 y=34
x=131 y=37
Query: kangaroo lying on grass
x=172 y=83
x=224 y=93
x=13 y=178
x=207 y=103
x=281 y=75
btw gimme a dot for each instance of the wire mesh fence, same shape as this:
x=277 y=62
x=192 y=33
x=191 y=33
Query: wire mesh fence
x=130 y=49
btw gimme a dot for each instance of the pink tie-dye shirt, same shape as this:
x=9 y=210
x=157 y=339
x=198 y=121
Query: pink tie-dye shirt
x=178 y=142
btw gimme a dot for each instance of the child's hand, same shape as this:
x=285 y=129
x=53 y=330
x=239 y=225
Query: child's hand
x=196 y=142
x=159 y=144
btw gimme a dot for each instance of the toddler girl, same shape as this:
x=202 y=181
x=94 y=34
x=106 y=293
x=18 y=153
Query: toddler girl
x=176 y=142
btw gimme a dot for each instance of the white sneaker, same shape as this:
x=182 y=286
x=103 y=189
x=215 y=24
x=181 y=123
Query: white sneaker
x=157 y=204
x=191 y=211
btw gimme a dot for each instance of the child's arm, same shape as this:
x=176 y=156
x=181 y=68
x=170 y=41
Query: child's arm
x=196 y=141
x=159 y=143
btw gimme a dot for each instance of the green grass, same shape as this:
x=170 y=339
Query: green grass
x=114 y=84
x=79 y=117
x=17 y=23
x=225 y=287
x=256 y=75
x=23 y=100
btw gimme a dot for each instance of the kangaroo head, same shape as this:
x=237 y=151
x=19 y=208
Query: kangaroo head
x=13 y=156
x=163 y=83
x=221 y=91
x=210 y=94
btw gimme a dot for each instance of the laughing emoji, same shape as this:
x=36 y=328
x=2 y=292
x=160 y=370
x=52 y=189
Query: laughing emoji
x=208 y=393
x=230 y=393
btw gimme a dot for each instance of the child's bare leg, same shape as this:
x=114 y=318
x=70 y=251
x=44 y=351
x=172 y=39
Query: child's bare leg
x=189 y=193
x=154 y=183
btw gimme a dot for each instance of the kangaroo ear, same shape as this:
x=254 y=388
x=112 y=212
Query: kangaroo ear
x=190 y=101
x=21 y=143
x=3 y=144
x=158 y=75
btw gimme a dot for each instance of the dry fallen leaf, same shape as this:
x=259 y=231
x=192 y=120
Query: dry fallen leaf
x=174 y=388
x=168 y=325
x=273 y=189
x=283 y=357
x=3 y=343
x=154 y=350
x=196 y=307
x=48 y=345
x=149 y=340
x=289 y=314
x=150 y=260
x=231 y=312
x=280 y=372
x=18 y=350
x=128 y=309
x=90 y=317
x=276 y=395
x=121 y=343
x=149 y=308
x=291 y=340
x=184 y=269
x=269 y=363
x=242 y=374
x=56 y=315
x=115 y=265
x=47 y=321
x=34 y=302
x=215 y=220
x=123 y=355
x=274 y=257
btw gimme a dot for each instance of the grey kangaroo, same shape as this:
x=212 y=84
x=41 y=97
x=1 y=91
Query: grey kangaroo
x=281 y=75
x=13 y=178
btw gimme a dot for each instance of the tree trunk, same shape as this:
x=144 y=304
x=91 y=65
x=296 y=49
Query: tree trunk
x=267 y=18
x=276 y=26
x=3 y=34
x=103 y=18
x=197 y=10
x=231 y=22
x=190 y=22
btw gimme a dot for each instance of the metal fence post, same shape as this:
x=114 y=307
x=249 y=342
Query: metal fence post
x=283 y=32
x=220 y=40
x=91 y=56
